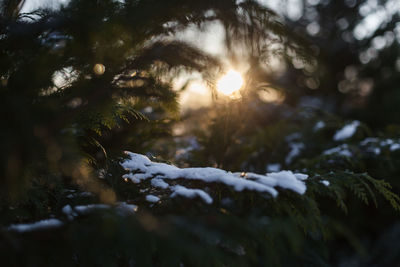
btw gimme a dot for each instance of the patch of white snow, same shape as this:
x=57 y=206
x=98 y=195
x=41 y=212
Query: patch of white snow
x=191 y=193
x=301 y=176
x=141 y=168
x=273 y=167
x=125 y=208
x=159 y=183
x=318 y=126
x=83 y=209
x=152 y=198
x=295 y=149
x=79 y=194
x=69 y=212
x=288 y=180
x=394 y=147
x=369 y=140
x=342 y=150
x=43 y=224
x=347 y=131
x=325 y=182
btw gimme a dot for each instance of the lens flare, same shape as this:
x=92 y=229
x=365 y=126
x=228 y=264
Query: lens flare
x=231 y=82
x=99 y=69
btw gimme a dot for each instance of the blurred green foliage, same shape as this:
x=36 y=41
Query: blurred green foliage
x=83 y=83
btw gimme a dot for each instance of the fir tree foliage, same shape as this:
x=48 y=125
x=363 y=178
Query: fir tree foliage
x=81 y=84
x=350 y=178
x=71 y=75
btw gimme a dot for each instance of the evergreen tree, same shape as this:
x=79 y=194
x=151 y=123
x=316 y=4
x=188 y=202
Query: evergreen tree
x=357 y=73
x=83 y=83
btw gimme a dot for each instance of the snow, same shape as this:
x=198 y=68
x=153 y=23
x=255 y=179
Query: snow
x=318 y=126
x=342 y=150
x=375 y=150
x=151 y=198
x=295 y=149
x=387 y=142
x=191 y=193
x=125 y=208
x=43 y=224
x=394 y=147
x=292 y=137
x=141 y=168
x=69 y=212
x=132 y=178
x=287 y=180
x=301 y=176
x=347 y=131
x=192 y=144
x=159 y=183
x=325 y=182
x=122 y=207
x=273 y=167
x=392 y=144
x=83 y=209
x=369 y=140
x=79 y=194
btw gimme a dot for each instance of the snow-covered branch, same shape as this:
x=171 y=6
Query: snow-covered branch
x=142 y=168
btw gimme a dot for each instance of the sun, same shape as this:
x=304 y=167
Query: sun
x=231 y=82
